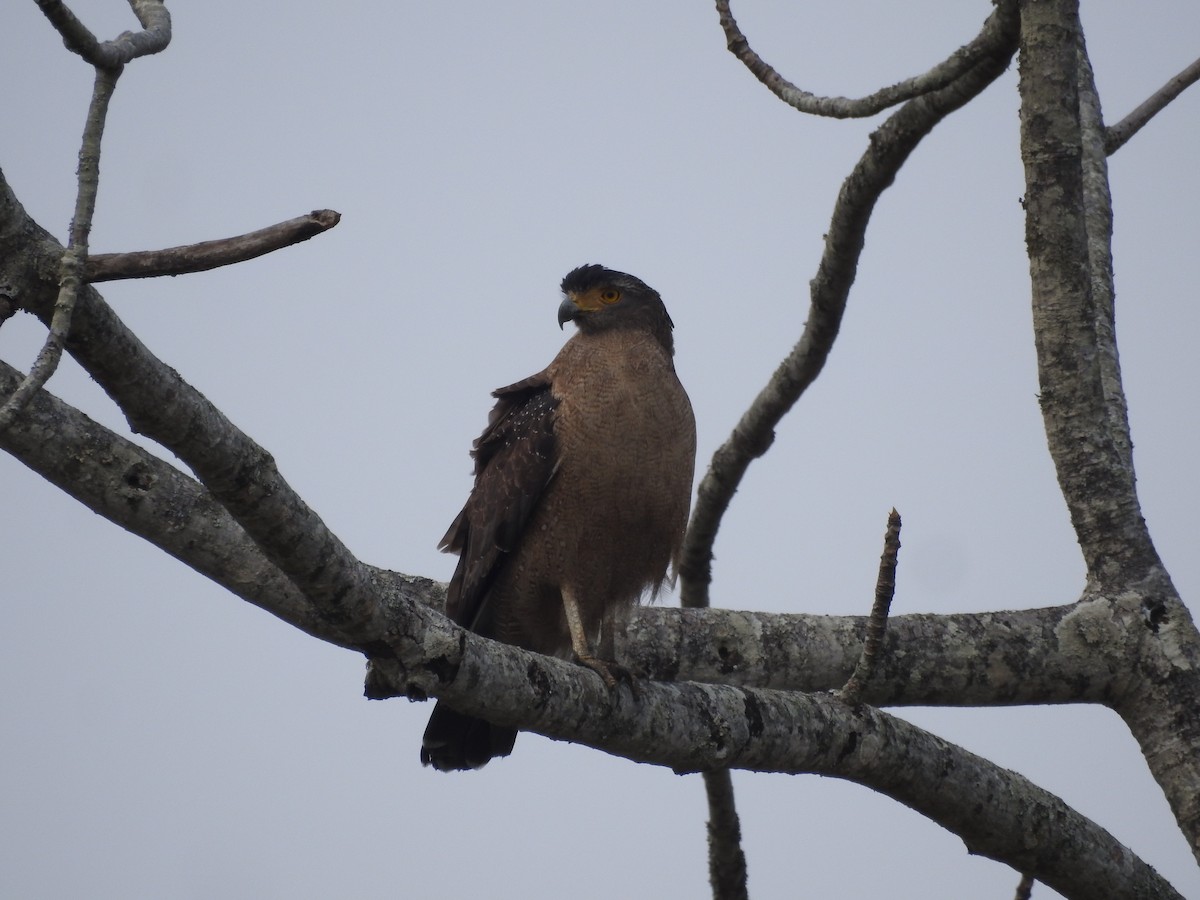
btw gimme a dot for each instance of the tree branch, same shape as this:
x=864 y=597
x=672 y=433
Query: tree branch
x=726 y=860
x=885 y=589
x=154 y=37
x=1068 y=235
x=890 y=146
x=1027 y=656
x=107 y=58
x=1116 y=136
x=1081 y=396
x=74 y=258
x=1010 y=658
x=944 y=73
x=685 y=726
x=695 y=727
x=241 y=475
x=209 y=254
x=152 y=499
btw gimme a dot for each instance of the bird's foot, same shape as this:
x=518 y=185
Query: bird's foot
x=611 y=673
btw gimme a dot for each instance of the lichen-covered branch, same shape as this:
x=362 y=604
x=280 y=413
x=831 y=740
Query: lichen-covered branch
x=209 y=254
x=146 y=496
x=727 y=873
x=1081 y=395
x=696 y=727
x=971 y=659
x=1152 y=641
x=1011 y=658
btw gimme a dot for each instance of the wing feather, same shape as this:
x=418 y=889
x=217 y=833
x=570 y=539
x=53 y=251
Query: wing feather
x=515 y=460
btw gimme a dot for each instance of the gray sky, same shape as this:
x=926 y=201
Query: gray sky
x=166 y=740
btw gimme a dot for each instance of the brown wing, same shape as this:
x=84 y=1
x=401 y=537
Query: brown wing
x=515 y=459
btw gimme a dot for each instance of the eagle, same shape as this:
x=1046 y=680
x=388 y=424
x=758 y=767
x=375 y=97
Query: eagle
x=583 y=481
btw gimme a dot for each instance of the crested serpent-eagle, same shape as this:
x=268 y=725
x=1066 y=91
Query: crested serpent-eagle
x=583 y=480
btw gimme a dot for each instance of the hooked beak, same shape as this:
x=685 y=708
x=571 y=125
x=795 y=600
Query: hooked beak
x=568 y=311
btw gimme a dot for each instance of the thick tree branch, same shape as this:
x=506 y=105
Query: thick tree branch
x=1068 y=235
x=1098 y=223
x=430 y=655
x=1026 y=656
x=890 y=146
x=694 y=727
x=1116 y=136
x=74 y=258
x=945 y=72
x=1081 y=396
x=209 y=254
x=154 y=37
x=1018 y=657
x=148 y=497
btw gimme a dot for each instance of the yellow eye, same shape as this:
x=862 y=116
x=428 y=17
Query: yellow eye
x=612 y=295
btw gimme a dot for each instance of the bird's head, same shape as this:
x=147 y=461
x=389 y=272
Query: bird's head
x=598 y=299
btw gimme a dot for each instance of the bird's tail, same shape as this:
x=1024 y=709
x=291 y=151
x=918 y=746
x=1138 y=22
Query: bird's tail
x=454 y=742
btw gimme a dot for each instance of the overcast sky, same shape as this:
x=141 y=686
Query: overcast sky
x=163 y=739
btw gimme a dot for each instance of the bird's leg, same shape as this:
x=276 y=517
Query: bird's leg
x=606 y=669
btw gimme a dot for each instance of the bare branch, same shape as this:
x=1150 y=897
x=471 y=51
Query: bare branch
x=1056 y=654
x=885 y=588
x=148 y=497
x=209 y=254
x=1068 y=236
x=239 y=473
x=1025 y=656
x=1116 y=135
x=155 y=36
x=945 y=72
x=1081 y=396
x=692 y=727
x=74 y=258
x=1098 y=221
x=890 y=146
x=726 y=860
x=1024 y=888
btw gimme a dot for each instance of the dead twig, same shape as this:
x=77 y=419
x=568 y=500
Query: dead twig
x=885 y=589
x=209 y=254
x=1115 y=136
